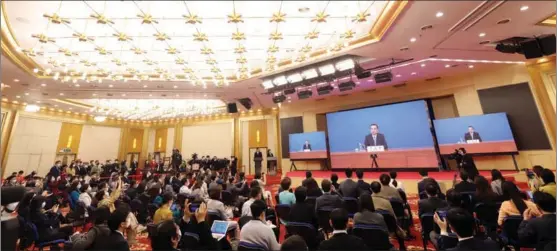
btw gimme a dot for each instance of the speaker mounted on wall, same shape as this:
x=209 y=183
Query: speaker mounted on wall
x=246 y=102
x=231 y=108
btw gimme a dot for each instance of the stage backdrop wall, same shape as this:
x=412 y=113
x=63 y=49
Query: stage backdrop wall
x=33 y=146
x=208 y=139
x=99 y=143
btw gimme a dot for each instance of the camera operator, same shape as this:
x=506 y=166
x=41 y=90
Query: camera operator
x=465 y=162
x=176 y=159
x=233 y=165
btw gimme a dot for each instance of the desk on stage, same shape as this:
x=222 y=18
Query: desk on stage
x=505 y=146
x=396 y=158
x=320 y=156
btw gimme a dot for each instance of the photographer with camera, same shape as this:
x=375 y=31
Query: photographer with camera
x=176 y=159
x=465 y=162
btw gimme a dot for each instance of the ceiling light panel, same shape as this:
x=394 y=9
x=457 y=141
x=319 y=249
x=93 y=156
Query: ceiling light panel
x=326 y=69
x=268 y=84
x=344 y=64
x=199 y=39
x=280 y=80
x=294 y=78
x=309 y=74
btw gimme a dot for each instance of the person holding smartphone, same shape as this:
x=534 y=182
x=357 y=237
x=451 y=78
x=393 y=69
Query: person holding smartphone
x=47 y=221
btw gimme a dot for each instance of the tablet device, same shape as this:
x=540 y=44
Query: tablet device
x=219 y=228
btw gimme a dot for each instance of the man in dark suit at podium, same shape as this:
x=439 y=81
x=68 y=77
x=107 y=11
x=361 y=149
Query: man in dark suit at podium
x=257 y=157
x=472 y=135
x=375 y=138
x=307 y=146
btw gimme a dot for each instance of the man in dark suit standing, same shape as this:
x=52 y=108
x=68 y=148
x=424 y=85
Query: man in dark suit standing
x=117 y=225
x=341 y=240
x=176 y=159
x=256 y=155
x=463 y=224
x=472 y=135
x=307 y=146
x=55 y=170
x=327 y=200
x=348 y=188
x=375 y=138
x=432 y=203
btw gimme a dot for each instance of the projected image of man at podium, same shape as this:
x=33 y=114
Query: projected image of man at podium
x=306 y=147
x=472 y=136
x=375 y=138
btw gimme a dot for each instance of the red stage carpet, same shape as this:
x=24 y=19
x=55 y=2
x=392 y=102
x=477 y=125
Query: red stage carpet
x=400 y=175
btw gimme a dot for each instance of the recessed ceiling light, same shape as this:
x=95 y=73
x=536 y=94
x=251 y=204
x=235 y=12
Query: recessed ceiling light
x=439 y=14
x=110 y=86
x=55 y=105
x=94 y=94
x=123 y=94
x=447 y=66
x=398 y=75
x=38 y=101
x=422 y=65
x=17 y=96
x=175 y=86
x=524 y=8
x=36 y=70
x=26 y=94
x=177 y=95
x=482 y=34
x=204 y=95
x=77 y=85
x=16 y=80
x=150 y=95
x=471 y=66
x=43 y=85
x=144 y=86
x=61 y=94
x=413 y=39
x=303 y=9
x=70 y=108
x=413 y=73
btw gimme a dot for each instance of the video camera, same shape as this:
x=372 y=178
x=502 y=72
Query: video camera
x=220 y=163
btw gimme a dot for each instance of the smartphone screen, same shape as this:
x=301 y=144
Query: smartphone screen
x=193 y=207
x=442 y=214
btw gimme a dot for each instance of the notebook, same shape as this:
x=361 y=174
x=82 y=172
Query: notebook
x=219 y=229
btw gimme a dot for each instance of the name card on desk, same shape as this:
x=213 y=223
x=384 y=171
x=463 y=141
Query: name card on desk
x=472 y=141
x=307 y=150
x=375 y=149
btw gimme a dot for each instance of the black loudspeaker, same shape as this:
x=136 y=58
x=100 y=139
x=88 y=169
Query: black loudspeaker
x=246 y=102
x=231 y=108
x=547 y=44
x=531 y=48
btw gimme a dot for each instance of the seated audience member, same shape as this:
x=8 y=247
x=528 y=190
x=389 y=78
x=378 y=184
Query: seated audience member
x=164 y=212
x=514 y=203
x=341 y=240
x=327 y=200
x=257 y=231
x=109 y=200
x=535 y=181
x=497 y=180
x=454 y=200
x=84 y=196
x=286 y=197
x=166 y=237
x=484 y=192
x=215 y=205
x=334 y=182
x=117 y=224
x=548 y=179
x=363 y=187
x=465 y=186
x=254 y=194
x=348 y=188
x=99 y=231
x=366 y=213
x=302 y=211
x=386 y=190
x=313 y=189
x=74 y=193
x=306 y=180
x=47 y=223
x=462 y=223
x=194 y=222
x=197 y=189
x=380 y=202
x=539 y=227
x=260 y=179
x=395 y=183
x=425 y=180
x=185 y=189
x=432 y=203
x=131 y=192
x=294 y=243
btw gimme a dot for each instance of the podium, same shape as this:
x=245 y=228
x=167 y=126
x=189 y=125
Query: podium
x=257 y=161
x=272 y=165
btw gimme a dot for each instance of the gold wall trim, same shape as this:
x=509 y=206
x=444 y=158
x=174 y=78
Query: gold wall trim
x=178 y=134
x=69 y=137
x=160 y=139
x=385 y=20
x=8 y=131
x=548 y=21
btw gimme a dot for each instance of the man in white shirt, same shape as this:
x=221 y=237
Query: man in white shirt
x=257 y=231
x=254 y=194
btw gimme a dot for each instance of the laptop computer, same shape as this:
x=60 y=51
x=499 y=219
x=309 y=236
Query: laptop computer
x=219 y=228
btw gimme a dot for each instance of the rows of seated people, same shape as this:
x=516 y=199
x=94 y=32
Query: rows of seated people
x=177 y=210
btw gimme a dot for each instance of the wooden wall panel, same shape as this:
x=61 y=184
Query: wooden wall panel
x=70 y=136
x=160 y=139
x=257 y=133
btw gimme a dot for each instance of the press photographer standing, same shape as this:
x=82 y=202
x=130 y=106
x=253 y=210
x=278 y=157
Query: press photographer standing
x=176 y=159
x=466 y=163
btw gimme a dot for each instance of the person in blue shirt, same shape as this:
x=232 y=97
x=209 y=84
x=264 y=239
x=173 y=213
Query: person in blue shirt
x=286 y=197
x=74 y=193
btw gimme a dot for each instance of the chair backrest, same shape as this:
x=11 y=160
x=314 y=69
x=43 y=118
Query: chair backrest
x=283 y=211
x=189 y=240
x=323 y=216
x=213 y=216
x=376 y=237
x=311 y=200
x=243 y=220
x=398 y=207
x=227 y=198
x=350 y=204
x=389 y=220
x=403 y=196
x=427 y=223
x=305 y=230
x=34 y=231
x=246 y=246
x=468 y=199
x=423 y=195
x=487 y=213
x=151 y=229
x=510 y=226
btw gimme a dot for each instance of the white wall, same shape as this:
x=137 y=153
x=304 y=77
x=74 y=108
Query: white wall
x=169 y=141
x=244 y=144
x=33 y=146
x=99 y=143
x=151 y=142
x=208 y=139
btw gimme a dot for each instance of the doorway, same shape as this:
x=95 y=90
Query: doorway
x=251 y=165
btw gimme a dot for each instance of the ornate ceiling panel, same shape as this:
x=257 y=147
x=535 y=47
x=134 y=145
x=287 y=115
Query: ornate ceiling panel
x=148 y=109
x=196 y=41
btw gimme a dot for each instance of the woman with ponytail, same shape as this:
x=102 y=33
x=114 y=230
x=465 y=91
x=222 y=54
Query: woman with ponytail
x=515 y=202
